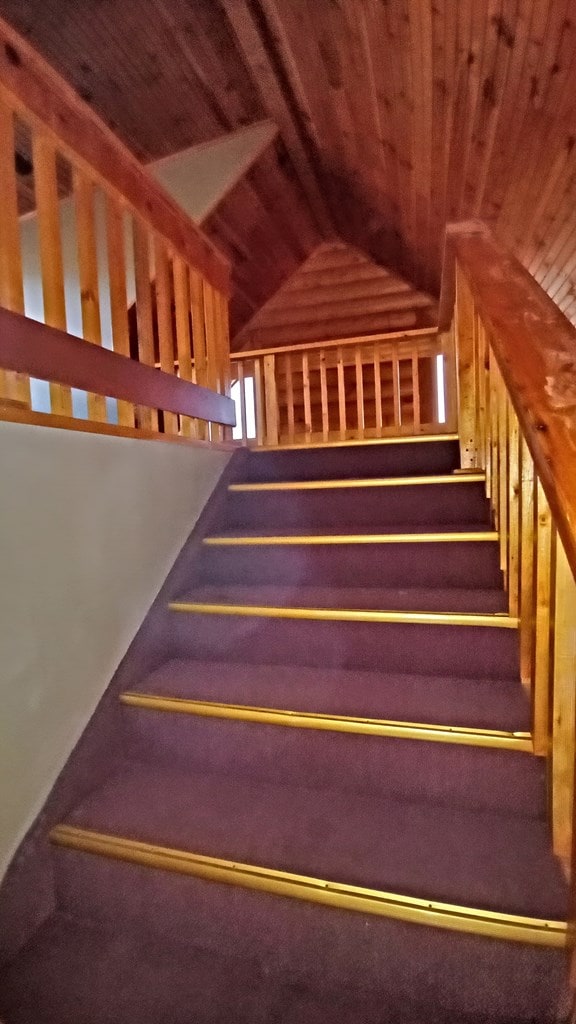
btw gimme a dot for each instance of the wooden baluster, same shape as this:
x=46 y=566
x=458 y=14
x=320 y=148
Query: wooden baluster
x=527 y=578
x=48 y=214
x=164 y=319
x=488 y=428
x=224 y=349
x=13 y=386
x=148 y=418
x=212 y=350
x=324 y=397
x=183 y=340
x=259 y=403
x=360 y=418
x=341 y=393
x=513 y=512
x=88 y=277
x=306 y=392
x=271 y=400
x=378 y=390
x=118 y=294
x=290 y=398
x=396 y=398
x=242 y=389
x=416 y=392
x=447 y=348
x=464 y=319
x=199 y=340
x=503 y=481
x=544 y=560
x=564 y=706
x=494 y=459
x=480 y=375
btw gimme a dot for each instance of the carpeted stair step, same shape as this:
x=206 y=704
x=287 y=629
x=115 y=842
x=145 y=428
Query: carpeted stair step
x=254 y=625
x=415 y=457
x=481 y=703
x=385 y=502
x=439 y=558
x=480 y=860
x=402 y=766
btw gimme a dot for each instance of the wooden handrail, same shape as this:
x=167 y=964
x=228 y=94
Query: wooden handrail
x=367 y=339
x=37 y=91
x=535 y=347
x=27 y=346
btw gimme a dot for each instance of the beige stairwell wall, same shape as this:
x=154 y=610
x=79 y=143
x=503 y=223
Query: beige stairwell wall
x=89 y=527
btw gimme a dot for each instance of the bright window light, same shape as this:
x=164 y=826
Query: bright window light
x=250 y=409
x=440 y=392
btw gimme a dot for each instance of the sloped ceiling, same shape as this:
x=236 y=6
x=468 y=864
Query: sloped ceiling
x=395 y=117
x=337 y=293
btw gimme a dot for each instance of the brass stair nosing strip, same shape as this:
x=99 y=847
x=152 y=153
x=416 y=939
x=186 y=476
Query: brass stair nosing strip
x=491 y=738
x=328 y=485
x=434 y=913
x=356 y=442
x=453 y=537
x=350 y=614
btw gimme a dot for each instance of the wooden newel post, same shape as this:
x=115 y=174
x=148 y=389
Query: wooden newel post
x=464 y=339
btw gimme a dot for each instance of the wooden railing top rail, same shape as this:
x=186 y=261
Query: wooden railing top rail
x=35 y=90
x=535 y=347
x=368 y=339
x=27 y=346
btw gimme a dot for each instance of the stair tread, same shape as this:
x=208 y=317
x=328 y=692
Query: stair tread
x=453 y=599
x=484 y=704
x=352 y=530
x=481 y=859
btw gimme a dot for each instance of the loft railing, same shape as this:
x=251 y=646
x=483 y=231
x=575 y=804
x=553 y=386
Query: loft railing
x=517 y=421
x=86 y=233
x=349 y=389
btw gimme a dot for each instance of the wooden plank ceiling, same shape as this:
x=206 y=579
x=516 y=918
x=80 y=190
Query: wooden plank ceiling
x=337 y=293
x=395 y=117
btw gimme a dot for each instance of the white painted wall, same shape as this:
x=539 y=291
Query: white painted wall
x=89 y=528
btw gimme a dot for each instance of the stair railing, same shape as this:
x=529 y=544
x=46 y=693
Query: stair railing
x=516 y=357
x=345 y=389
x=86 y=232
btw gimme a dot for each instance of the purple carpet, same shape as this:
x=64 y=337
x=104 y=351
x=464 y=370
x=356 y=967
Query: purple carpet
x=90 y=940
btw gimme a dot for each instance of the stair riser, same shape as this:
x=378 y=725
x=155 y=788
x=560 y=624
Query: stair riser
x=348 y=508
x=466 y=651
x=471 y=777
x=355 y=461
x=447 y=564
x=328 y=947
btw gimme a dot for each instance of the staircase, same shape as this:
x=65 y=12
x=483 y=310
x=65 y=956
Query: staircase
x=314 y=797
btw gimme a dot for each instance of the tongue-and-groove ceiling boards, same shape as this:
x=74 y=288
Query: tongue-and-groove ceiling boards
x=395 y=117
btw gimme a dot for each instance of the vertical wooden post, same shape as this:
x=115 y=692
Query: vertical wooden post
x=306 y=393
x=513 y=512
x=212 y=349
x=378 y=390
x=447 y=349
x=148 y=417
x=396 y=398
x=503 y=470
x=494 y=427
x=415 y=392
x=48 y=213
x=164 y=319
x=242 y=389
x=341 y=393
x=259 y=402
x=88 y=276
x=271 y=400
x=324 y=397
x=289 y=398
x=118 y=296
x=183 y=341
x=564 y=706
x=527 y=577
x=13 y=386
x=466 y=371
x=544 y=562
x=199 y=339
x=359 y=391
